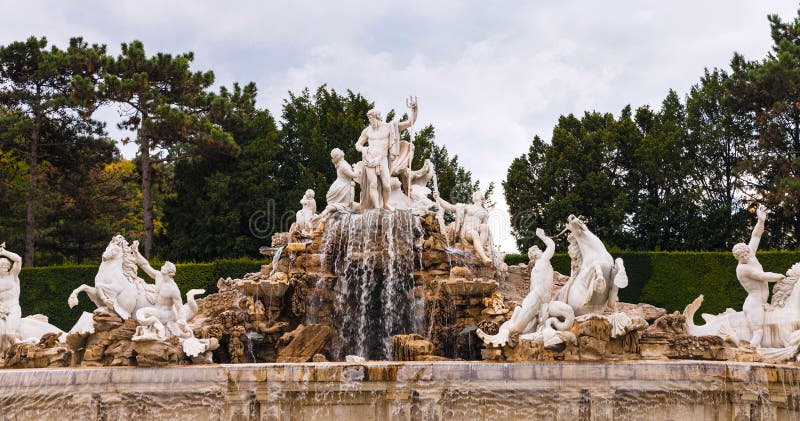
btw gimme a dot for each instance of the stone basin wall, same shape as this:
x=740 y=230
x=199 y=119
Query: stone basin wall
x=408 y=391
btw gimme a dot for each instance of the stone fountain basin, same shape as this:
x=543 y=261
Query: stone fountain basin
x=266 y=288
x=469 y=287
x=409 y=390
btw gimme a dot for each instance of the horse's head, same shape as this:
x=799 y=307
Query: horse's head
x=576 y=226
x=112 y=252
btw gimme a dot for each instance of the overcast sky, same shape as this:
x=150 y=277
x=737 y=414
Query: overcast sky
x=488 y=75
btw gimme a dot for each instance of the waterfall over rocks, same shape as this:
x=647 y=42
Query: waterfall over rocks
x=374 y=254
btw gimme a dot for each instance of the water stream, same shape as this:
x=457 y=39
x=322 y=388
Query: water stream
x=374 y=254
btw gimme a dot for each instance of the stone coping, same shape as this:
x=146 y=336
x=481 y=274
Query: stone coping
x=642 y=374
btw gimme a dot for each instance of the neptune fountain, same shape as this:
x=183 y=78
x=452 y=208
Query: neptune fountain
x=376 y=308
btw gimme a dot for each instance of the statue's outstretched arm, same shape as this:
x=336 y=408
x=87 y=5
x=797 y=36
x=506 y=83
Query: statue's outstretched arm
x=758 y=230
x=443 y=203
x=549 y=244
x=16 y=261
x=143 y=263
x=412 y=104
x=769 y=276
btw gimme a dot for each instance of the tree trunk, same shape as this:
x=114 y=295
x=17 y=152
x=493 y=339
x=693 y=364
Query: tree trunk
x=147 y=188
x=31 y=197
x=30 y=212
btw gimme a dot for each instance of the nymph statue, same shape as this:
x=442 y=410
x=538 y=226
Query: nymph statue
x=10 y=311
x=14 y=328
x=341 y=194
x=305 y=217
x=419 y=190
x=384 y=155
x=471 y=225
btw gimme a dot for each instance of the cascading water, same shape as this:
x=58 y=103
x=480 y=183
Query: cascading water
x=374 y=255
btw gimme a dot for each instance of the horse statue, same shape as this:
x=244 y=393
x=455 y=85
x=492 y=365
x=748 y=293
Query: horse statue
x=118 y=287
x=781 y=317
x=596 y=277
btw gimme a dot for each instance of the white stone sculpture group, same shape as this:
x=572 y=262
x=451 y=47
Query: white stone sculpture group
x=157 y=307
x=13 y=327
x=387 y=182
x=592 y=287
x=772 y=328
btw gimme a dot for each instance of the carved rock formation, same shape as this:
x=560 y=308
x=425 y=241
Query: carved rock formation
x=303 y=343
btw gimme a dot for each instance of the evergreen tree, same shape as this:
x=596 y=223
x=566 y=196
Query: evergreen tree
x=166 y=104
x=723 y=138
x=769 y=92
x=36 y=86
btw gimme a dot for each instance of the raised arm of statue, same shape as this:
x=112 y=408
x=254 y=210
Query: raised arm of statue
x=548 y=242
x=142 y=262
x=411 y=103
x=16 y=261
x=758 y=230
x=443 y=203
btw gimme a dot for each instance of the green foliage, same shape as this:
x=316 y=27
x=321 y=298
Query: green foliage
x=768 y=92
x=42 y=123
x=217 y=195
x=45 y=289
x=166 y=104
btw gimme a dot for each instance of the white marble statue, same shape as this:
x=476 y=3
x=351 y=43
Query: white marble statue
x=306 y=217
x=471 y=225
x=754 y=279
x=760 y=324
x=341 y=194
x=596 y=278
x=384 y=155
x=115 y=287
x=419 y=191
x=168 y=316
x=13 y=327
x=527 y=316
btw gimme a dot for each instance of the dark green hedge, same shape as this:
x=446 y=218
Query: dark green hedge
x=674 y=279
x=45 y=289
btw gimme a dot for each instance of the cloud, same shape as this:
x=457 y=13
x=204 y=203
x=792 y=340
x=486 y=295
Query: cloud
x=489 y=77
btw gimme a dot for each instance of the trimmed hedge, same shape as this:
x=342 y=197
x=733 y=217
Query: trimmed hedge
x=674 y=279
x=44 y=290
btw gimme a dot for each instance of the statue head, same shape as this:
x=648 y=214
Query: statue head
x=168 y=269
x=575 y=225
x=374 y=117
x=336 y=155
x=114 y=250
x=477 y=198
x=534 y=253
x=309 y=194
x=741 y=252
x=5 y=264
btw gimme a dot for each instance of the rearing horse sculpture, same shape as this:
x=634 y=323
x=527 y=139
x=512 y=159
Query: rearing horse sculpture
x=597 y=278
x=113 y=290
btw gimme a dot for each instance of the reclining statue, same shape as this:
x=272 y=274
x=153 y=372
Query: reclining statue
x=13 y=327
x=471 y=225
